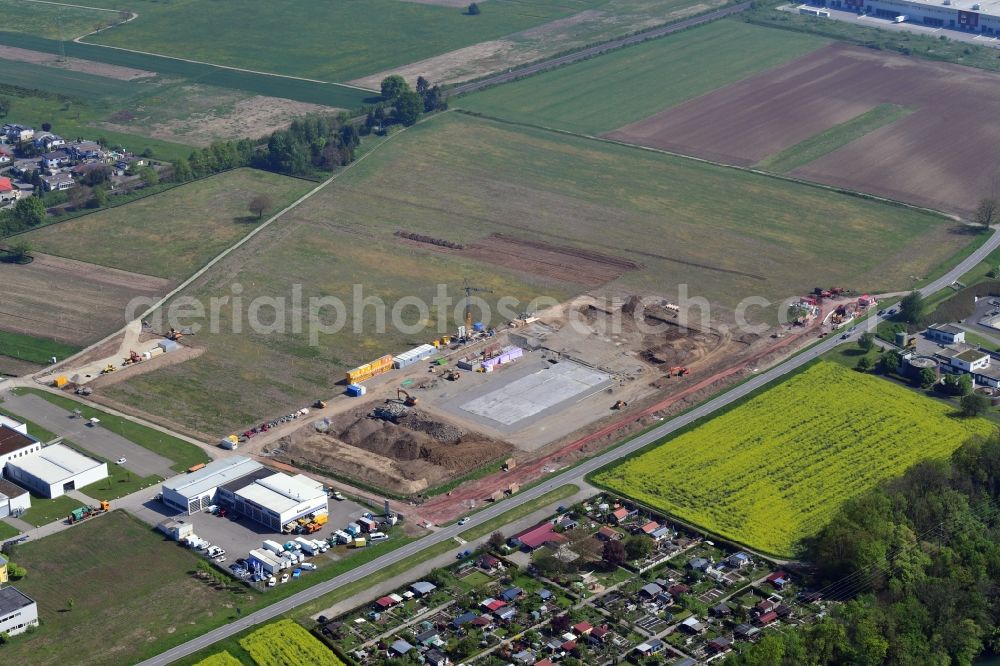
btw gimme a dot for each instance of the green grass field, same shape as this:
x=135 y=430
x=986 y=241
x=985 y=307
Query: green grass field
x=51 y=20
x=171 y=234
x=830 y=140
x=336 y=40
x=131 y=591
x=44 y=511
x=461 y=178
x=69 y=83
x=33 y=349
x=183 y=454
x=772 y=471
x=7 y=531
x=617 y=88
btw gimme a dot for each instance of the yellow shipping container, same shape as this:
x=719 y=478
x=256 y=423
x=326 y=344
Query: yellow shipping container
x=321 y=519
x=369 y=370
x=60 y=381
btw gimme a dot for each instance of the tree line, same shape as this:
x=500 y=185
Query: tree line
x=917 y=564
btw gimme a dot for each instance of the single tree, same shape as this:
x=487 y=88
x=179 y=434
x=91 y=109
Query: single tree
x=149 y=176
x=890 y=361
x=99 y=197
x=638 y=547
x=473 y=10
x=408 y=107
x=866 y=341
x=986 y=212
x=560 y=624
x=20 y=252
x=965 y=384
x=614 y=554
x=30 y=211
x=46 y=127
x=70 y=603
x=496 y=542
x=927 y=377
x=422 y=85
x=259 y=204
x=393 y=86
x=865 y=364
x=974 y=404
x=912 y=308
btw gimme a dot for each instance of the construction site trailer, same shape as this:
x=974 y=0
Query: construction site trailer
x=414 y=355
x=369 y=370
x=356 y=390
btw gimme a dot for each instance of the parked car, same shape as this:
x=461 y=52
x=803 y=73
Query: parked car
x=463 y=521
x=284 y=578
x=272 y=581
x=464 y=553
x=308 y=566
x=120 y=461
x=220 y=559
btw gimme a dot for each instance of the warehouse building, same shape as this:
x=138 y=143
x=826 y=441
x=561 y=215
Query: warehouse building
x=15 y=442
x=279 y=499
x=14 y=500
x=54 y=470
x=18 y=611
x=197 y=490
x=412 y=356
x=981 y=17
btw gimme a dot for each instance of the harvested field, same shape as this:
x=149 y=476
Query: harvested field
x=940 y=156
x=72 y=301
x=418 y=452
x=73 y=64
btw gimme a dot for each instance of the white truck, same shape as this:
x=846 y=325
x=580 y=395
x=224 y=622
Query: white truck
x=342 y=536
x=322 y=545
x=307 y=545
x=267 y=561
x=273 y=546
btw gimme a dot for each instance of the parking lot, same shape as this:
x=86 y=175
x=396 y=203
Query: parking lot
x=239 y=535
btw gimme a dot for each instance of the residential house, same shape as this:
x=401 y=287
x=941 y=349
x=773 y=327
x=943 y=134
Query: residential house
x=55 y=159
x=746 y=632
x=463 y=619
x=720 y=610
x=536 y=537
x=650 y=591
x=525 y=657
x=492 y=604
x=650 y=647
x=400 y=647
x=582 y=629
x=85 y=150
x=48 y=141
x=57 y=183
x=511 y=594
x=436 y=658
x=387 y=602
x=766 y=619
x=544 y=662
x=699 y=564
x=484 y=622
x=429 y=637
x=24 y=168
x=778 y=579
x=490 y=564
x=566 y=522
x=678 y=589
x=600 y=634
x=738 y=560
x=766 y=606
x=422 y=588
x=7 y=190
x=947 y=334
x=608 y=534
x=660 y=533
x=18 y=133
x=544 y=594
x=650 y=527
x=720 y=645
x=692 y=626
x=505 y=614
x=619 y=515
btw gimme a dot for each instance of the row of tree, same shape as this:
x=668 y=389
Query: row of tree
x=917 y=562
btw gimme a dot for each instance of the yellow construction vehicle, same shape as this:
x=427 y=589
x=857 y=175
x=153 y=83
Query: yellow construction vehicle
x=108 y=369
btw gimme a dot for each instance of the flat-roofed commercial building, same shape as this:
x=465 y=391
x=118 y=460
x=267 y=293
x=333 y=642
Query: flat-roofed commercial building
x=54 y=470
x=279 y=499
x=196 y=491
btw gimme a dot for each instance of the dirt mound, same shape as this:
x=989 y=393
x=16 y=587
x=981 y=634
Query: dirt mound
x=407 y=456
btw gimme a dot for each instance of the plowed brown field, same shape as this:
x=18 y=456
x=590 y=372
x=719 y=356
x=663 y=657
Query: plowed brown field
x=941 y=156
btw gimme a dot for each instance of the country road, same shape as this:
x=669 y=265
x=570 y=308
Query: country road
x=598 y=49
x=573 y=475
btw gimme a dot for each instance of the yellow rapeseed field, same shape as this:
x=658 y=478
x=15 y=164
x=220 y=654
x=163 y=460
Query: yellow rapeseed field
x=775 y=469
x=220 y=659
x=285 y=643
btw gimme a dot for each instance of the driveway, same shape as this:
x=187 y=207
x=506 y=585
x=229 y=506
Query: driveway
x=141 y=462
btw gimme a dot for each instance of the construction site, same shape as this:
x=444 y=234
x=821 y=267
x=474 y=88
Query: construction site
x=414 y=421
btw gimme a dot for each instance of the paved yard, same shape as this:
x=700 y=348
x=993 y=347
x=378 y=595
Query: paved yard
x=141 y=461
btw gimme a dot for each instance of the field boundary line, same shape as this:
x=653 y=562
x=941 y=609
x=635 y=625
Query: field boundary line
x=96 y=9
x=79 y=40
x=759 y=172
x=219 y=257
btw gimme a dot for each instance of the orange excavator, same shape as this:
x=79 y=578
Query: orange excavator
x=677 y=371
x=406 y=398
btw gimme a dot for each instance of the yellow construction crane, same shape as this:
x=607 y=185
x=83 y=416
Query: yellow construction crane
x=469 y=291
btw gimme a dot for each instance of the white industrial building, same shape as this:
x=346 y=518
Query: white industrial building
x=981 y=17
x=55 y=470
x=278 y=499
x=196 y=491
x=15 y=442
x=18 y=611
x=14 y=500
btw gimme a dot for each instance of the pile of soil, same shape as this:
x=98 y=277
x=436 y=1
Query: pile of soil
x=418 y=452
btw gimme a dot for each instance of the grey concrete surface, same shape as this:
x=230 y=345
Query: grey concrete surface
x=140 y=461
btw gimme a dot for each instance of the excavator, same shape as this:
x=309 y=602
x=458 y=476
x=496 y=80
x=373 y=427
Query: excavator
x=621 y=404
x=132 y=359
x=174 y=334
x=677 y=371
x=406 y=398
x=108 y=369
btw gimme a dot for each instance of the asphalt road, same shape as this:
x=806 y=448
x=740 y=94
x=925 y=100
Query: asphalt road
x=592 y=51
x=573 y=475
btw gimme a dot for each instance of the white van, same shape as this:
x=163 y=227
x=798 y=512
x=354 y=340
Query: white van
x=377 y=536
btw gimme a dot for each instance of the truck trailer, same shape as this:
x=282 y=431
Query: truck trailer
x=267 y=561
x=273 y=547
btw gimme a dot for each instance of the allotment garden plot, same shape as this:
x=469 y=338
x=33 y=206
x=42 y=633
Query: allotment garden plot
x=940 y=156
x=773 y=471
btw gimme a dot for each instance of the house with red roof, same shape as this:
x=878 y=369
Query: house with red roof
x=537 y=536
x=619 y=515
x=650 y=527
x=583 y=628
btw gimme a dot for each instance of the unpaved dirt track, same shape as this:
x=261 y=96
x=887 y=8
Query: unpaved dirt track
x=942 y=156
